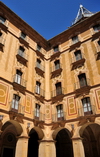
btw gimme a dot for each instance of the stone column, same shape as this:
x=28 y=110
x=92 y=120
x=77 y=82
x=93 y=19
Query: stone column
x=22 y=146
x=78 y=149
x=47 y=148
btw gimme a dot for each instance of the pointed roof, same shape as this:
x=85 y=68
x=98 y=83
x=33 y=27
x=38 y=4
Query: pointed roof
x=83 y=12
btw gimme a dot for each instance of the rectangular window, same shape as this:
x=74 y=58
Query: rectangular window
x=82 y=80
x=60 y=115
x=87 y=106
x=58 y=88
x=15 y=102
x=18 y=77
x=75 y=39
x=78 y=55
x=21 y=51
x=57 y=64
x=96 y=28
x=2 y=20
x=38 y=84
x=39 y=48
x=56 y=49
x=37 y=111
x=38 y=63
x=23 y=35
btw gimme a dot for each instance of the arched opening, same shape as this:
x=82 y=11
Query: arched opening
x=64 y=144
x=8 y=140
x=33 y=144
x=91 y=140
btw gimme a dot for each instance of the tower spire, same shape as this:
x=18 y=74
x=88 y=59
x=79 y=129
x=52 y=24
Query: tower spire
x=82 y=13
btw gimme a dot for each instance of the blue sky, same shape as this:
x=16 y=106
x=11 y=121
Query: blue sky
x=50 y=17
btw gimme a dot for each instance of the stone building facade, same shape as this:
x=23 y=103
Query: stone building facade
x=49 y=90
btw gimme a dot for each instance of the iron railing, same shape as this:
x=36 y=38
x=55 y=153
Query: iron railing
x=17 y=79
x=59 y=117
x=2 y=40
x=22 y=54
x=57 y=92
x=82 y=84
x=77 y=58
x=39 y=91
x=17 y=108
x=40 y=116
x=40 y=66
x=56 y=67
x=87 y=110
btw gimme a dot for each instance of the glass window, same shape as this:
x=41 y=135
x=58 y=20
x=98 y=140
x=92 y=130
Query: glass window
x=56 y=48
x=38 y=47
x=57 y=64
x=78 y=55
x=96 y=28
x=87 y=106
x=21 y=51
x=82 y=80
x=37 y=110
x=15 y=102
x=23 y=35
x=18 y=77
x=38 y=84
x=60 y=112
x=38 y=63
x=75 y=39
x=2 y=19
x=58 y=88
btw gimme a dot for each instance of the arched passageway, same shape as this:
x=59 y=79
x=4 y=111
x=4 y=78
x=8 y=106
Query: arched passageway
x=64 y=144
x=91 y=140
x=33 y=144
x=8 y=140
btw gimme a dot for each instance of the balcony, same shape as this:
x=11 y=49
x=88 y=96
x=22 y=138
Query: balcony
x=82 y=87
x=3 y=25
x=39 y=69
x=39 y=53
x=75 y=45
x=2 y=42
x=55 y=55
x=87 y=111
x=57 y=95
x=56 y=70
x=76 y=62
x=56 y=117
x=39 y=93
x=24 y=41
x=16 y=113
x=22 y=57
x=39 y=117
x=19 y=84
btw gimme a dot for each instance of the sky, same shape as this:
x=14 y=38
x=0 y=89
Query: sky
x=50 y=17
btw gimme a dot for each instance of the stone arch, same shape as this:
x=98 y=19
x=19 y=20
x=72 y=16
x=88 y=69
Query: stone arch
x=90 y=132
x=63 y=144
x=39 y=132
x=16 y=125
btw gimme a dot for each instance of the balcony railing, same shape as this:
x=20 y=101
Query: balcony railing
x=79 y=85
x=57 y=92
x=77 y=58
x=85 y=111
x=39 y=91
x=56 y=67
x=41 y=67
x=2 y=41
x=59 y=117
x=19 y=81
x=40 y=116
x=18 y=108
x=22 y=54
